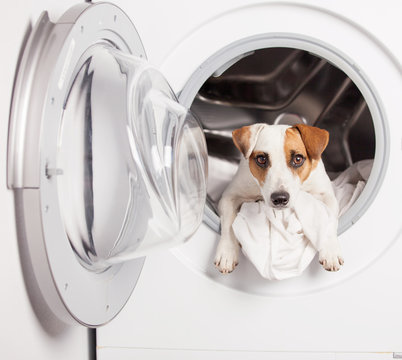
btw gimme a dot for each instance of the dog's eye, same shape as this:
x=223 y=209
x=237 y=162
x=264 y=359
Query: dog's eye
x=297 y=160
x=262 y=161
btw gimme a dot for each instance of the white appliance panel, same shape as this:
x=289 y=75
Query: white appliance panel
x=182 y=308
x=351 y=314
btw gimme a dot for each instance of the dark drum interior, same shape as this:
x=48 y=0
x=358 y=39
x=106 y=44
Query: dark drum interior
x=282 y=86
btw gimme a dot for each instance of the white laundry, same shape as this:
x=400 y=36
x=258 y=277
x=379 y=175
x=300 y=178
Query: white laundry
x=349 y=184
x=282 y=243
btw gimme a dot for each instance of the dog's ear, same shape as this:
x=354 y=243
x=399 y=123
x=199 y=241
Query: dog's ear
x=315 y=139
x=245 y=138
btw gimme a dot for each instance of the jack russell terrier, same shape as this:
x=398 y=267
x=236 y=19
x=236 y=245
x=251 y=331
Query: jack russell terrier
x=278 y=161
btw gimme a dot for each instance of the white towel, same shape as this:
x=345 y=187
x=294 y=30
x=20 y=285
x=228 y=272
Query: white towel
x=282 y=243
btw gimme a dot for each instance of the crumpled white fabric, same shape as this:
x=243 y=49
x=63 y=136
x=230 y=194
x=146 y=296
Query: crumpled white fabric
x=349 y=184
x=282 y=243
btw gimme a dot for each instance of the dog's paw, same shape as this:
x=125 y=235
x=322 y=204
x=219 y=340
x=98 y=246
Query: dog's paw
x=227 y=257
x=331 y=260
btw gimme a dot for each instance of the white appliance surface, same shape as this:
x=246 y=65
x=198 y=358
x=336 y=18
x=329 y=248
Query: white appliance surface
x=181 y=308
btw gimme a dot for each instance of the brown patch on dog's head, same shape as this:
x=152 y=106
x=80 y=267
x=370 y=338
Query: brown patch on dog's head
x=245 y=138
x=314 y=139
x=258 y=170
x=294 y=145
x=241 y=138
x=308 y=142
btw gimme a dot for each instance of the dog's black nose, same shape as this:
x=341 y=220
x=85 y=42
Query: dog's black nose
x=280 y=198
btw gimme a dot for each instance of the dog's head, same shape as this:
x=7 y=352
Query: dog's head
x=281 y=158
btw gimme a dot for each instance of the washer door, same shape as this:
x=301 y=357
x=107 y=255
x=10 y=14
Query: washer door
x=105 y=164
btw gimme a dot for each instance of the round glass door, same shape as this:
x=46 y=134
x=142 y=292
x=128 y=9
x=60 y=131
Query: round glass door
x=105 y=163
x=131 y=161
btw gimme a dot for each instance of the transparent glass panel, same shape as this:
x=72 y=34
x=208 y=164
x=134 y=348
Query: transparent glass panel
x=132 y=161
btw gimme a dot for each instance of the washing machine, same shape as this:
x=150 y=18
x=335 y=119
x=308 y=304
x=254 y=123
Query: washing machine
x=119 y=148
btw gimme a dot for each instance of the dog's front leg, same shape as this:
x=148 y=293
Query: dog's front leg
x=330 y=255
x=227 y=252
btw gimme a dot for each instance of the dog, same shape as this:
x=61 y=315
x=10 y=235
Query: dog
x=277 y=162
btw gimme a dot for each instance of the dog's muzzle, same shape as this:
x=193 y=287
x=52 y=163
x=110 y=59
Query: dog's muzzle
x=280 y=199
